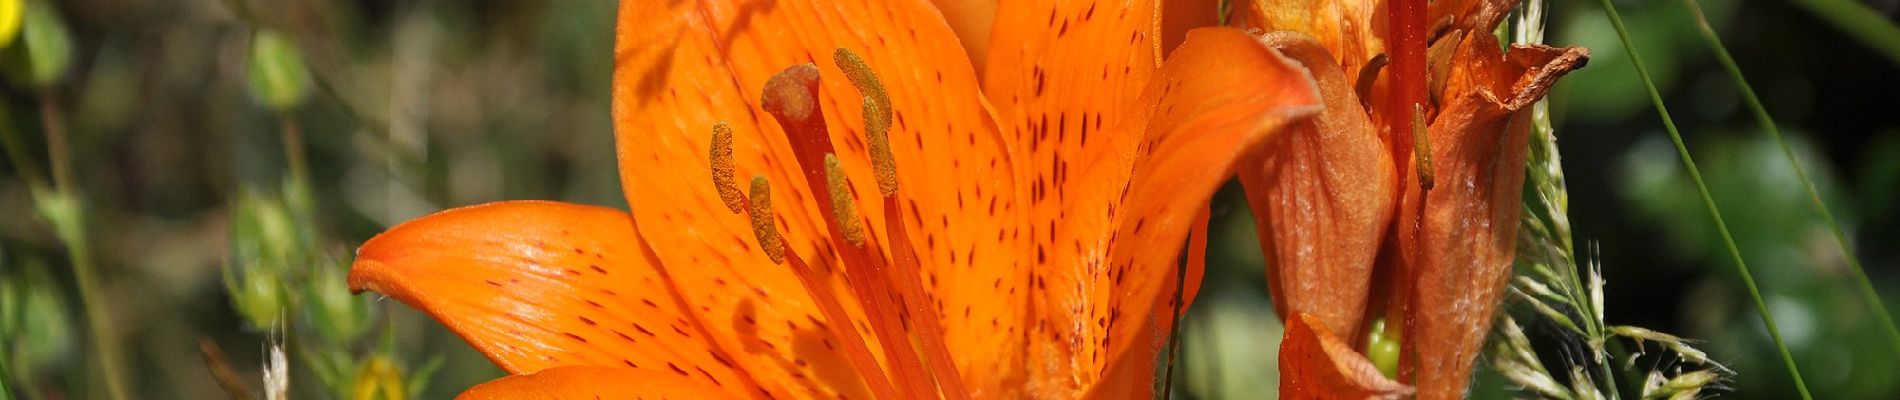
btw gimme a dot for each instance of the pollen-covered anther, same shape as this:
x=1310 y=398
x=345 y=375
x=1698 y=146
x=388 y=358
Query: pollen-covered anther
x=842 y=206
x=762 y=226
x=723 y=169
x=877 y=116
x=1421 y=147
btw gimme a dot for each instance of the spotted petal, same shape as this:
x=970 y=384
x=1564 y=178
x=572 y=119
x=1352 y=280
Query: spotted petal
x=1218 y=97
x=535 y=285
x=594 y=383
x=684 y=65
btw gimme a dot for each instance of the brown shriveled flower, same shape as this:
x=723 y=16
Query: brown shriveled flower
x=1400 y=199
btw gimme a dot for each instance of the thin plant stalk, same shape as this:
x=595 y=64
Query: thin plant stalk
x=1708 y=201
x=1865 y=285
x=293 y=150
x=6 y=377
x=30 y=173
x=71 y=229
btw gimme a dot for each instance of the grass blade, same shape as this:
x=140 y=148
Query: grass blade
x=1688 y=163
x=1866 y=286
x=1859 y=21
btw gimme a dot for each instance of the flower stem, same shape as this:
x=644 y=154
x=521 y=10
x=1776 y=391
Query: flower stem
x=293 y=150
x=70 y=227
x=1688 y=163
x=1866 y=286
x=6 y=377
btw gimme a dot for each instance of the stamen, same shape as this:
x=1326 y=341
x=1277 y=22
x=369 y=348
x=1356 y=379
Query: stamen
x=861 y=76
x=1421 y=148
x=1369 y=74
x=722 y=168
x=877 y=117
x=791 y=98
x=842 y=206
x=762 y=227
x=857 y=351
x=910 y=286
x=903 y=276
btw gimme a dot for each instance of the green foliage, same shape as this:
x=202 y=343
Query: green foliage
x=36 y=332
x=266 y=249
x=1828 y=323
x=1708 y=202
x=45 y=50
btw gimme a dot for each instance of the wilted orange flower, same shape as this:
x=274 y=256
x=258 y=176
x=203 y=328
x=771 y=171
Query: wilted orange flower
x=1013 y=234
x=1346 y=203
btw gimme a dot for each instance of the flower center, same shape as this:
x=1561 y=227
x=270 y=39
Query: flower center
x=890 y=292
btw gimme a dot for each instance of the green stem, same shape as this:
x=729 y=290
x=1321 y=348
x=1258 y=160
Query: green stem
x=70 y=227
x=1861 y=22
x=1741 y=267
x=1866 y=285
x=1174 y=327
x=293 y=150
x=6 y=377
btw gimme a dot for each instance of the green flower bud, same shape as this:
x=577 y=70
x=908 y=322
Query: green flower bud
x=278 y=76
x=264 y=246
x=1382 y=346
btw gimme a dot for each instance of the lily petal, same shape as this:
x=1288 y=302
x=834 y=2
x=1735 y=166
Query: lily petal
x=972 y=19
x=1350 y=29
x=535 y=285
x=1220 y=95
x=1180 y=16
x=1315 y=364
x=593 y=382
x=684 y=65
x=1466 y=239
x=1065 y=78
x=1321 y=195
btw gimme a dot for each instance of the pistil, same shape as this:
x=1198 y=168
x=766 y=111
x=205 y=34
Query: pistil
x=1407 y=37
x=792 y=99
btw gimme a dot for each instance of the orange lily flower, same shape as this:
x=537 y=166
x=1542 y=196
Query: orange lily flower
x=1021 y=238
x=1348 y=193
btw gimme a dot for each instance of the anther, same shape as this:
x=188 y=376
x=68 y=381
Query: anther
x=1421 y=147
x=842 y=206
x=877 y=117
x=722 y=168
x=1369 y=74
x=762 y=226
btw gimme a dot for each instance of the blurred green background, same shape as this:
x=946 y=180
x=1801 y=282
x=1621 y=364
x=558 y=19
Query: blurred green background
x=201 y=229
